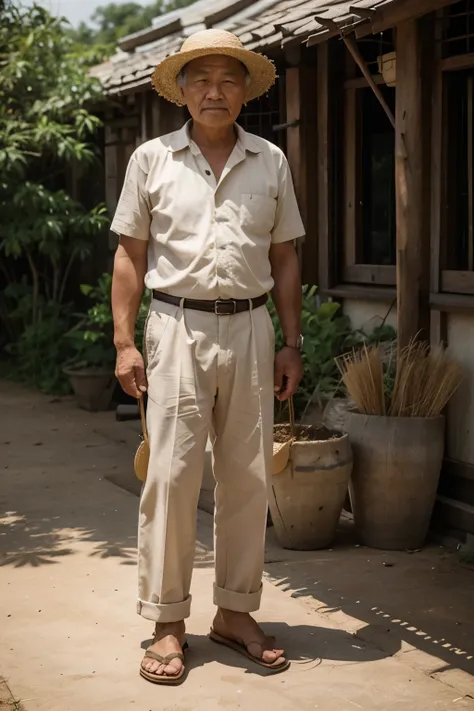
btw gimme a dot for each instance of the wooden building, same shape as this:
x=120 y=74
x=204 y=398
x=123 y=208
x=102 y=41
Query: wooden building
x=375 y=110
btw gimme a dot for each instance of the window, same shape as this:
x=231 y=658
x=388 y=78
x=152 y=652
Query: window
x=378 y=180
x=457 y=112
x=261 y=115
x=369 y=188
x=367 y=223
x=458 y=29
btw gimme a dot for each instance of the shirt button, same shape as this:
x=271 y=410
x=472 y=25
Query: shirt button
x=208 y=172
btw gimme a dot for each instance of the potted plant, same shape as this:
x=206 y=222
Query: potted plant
x=327 y=334
x=311 y=470
x=91 y=369
x=311 y=464
x=397 y=435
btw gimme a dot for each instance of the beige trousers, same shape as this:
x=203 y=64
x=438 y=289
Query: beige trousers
x=207 y=375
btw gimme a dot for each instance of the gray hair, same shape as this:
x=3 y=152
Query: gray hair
x=181 y=78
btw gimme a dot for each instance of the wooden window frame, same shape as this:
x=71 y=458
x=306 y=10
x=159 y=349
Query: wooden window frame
x=444 y=280
x=354 y=271
x=452 y=288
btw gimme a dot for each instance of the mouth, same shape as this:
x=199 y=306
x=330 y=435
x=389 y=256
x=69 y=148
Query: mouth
x=214 y=108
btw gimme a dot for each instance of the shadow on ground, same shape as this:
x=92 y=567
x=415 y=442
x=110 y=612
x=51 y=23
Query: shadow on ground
x=305 y=645
x=423 y=599
x=54 y=458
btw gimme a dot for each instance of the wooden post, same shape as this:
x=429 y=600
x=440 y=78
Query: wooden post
x=409 y=181
x=325 y=167
x=301 y=154
x=295 y=155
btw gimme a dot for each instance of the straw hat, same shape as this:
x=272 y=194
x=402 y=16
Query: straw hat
x=261 y=70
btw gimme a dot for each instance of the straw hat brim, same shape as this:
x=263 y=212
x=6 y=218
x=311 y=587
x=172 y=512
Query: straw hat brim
x=261 y=71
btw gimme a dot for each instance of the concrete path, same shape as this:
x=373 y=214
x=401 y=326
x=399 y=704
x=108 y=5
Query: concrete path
x=69 y=636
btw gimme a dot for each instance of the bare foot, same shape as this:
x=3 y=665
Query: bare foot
x=241 y=627
x=169 y=639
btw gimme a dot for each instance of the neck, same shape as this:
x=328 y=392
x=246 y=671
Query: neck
x=210 y=137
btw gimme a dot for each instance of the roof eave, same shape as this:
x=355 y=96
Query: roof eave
x=130 y=42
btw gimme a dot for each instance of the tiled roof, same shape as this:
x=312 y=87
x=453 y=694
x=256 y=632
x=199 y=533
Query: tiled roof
x=294 y=21
x=262 y=26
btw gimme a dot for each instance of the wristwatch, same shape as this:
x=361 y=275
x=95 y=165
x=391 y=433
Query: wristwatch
x=297 y=344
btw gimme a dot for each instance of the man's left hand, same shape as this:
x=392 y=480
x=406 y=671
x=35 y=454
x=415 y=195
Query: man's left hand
x=288 y=373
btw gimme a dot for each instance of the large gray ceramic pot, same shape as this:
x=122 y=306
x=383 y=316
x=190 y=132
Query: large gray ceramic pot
x=397 y=464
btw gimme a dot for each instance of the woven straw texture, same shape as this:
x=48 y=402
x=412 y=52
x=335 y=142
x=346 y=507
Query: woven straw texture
x=261 y=70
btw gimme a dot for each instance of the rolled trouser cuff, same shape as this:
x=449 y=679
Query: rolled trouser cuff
x=163 y=613
x=237 y=602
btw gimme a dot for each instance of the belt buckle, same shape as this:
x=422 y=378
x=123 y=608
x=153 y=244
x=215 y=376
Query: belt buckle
x=226 y=307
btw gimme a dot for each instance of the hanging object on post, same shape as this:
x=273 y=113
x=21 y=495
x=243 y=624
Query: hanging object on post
x=388 y=68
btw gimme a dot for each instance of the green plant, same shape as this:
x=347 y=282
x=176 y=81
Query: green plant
x=39 y=351
x=327 y=334
x=92 y=337
x=45 y=130
x=141 y=320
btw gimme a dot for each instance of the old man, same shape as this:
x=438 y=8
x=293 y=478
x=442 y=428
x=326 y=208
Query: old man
x=207 y=220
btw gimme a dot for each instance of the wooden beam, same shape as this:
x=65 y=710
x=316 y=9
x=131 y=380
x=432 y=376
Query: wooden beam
x=452 y=303
x=438 y=321
x=362 y=293
x=364 y=12
x=457 y=281
x=399 y=12
x=296 y=157
x=326 y=235
x=457 y=63
x=351 y=45
x=409 y=181
x=362 y=83
x=301 y=139
x=382 y=275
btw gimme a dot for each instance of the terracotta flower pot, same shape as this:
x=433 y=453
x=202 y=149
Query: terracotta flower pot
x=308 y=489
x=93 y=388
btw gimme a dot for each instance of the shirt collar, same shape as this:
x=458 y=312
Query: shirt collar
x=181 y=139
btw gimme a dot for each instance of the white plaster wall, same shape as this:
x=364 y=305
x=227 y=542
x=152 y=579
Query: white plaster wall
x=460 y=417
x=369 y=314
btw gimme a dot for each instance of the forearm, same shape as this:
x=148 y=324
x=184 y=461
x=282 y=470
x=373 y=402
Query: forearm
x=127 y=290
x=286 y=294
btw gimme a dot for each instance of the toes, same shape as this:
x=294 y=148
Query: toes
x=153 y=667
x=272 y=655
x=172 y=670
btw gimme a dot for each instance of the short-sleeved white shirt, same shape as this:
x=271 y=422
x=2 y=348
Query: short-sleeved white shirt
x=208 y=239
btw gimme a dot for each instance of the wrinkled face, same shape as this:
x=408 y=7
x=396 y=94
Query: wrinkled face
x=214 y=89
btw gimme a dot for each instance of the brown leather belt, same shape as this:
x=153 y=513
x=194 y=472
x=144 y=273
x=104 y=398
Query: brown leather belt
x=220 y=307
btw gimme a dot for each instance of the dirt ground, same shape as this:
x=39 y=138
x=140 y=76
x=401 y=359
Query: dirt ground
x=364 y=628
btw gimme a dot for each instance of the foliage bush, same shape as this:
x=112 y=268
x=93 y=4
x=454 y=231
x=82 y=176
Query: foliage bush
x=46 y=129
x=92 y=337
x=327 y=334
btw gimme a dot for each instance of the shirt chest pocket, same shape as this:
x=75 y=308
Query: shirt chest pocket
x=257 y=213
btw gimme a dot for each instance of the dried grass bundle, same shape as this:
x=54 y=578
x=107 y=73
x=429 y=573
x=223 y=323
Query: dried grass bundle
x=416 y=382
x=362 y=374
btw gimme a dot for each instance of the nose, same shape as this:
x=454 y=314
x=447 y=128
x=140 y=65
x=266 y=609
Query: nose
x=214 y=92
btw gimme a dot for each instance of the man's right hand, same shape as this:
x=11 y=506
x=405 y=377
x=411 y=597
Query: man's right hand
x=130 y=371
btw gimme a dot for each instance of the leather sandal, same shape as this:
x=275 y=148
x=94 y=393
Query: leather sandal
x=275 y=667
x=166 y=679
